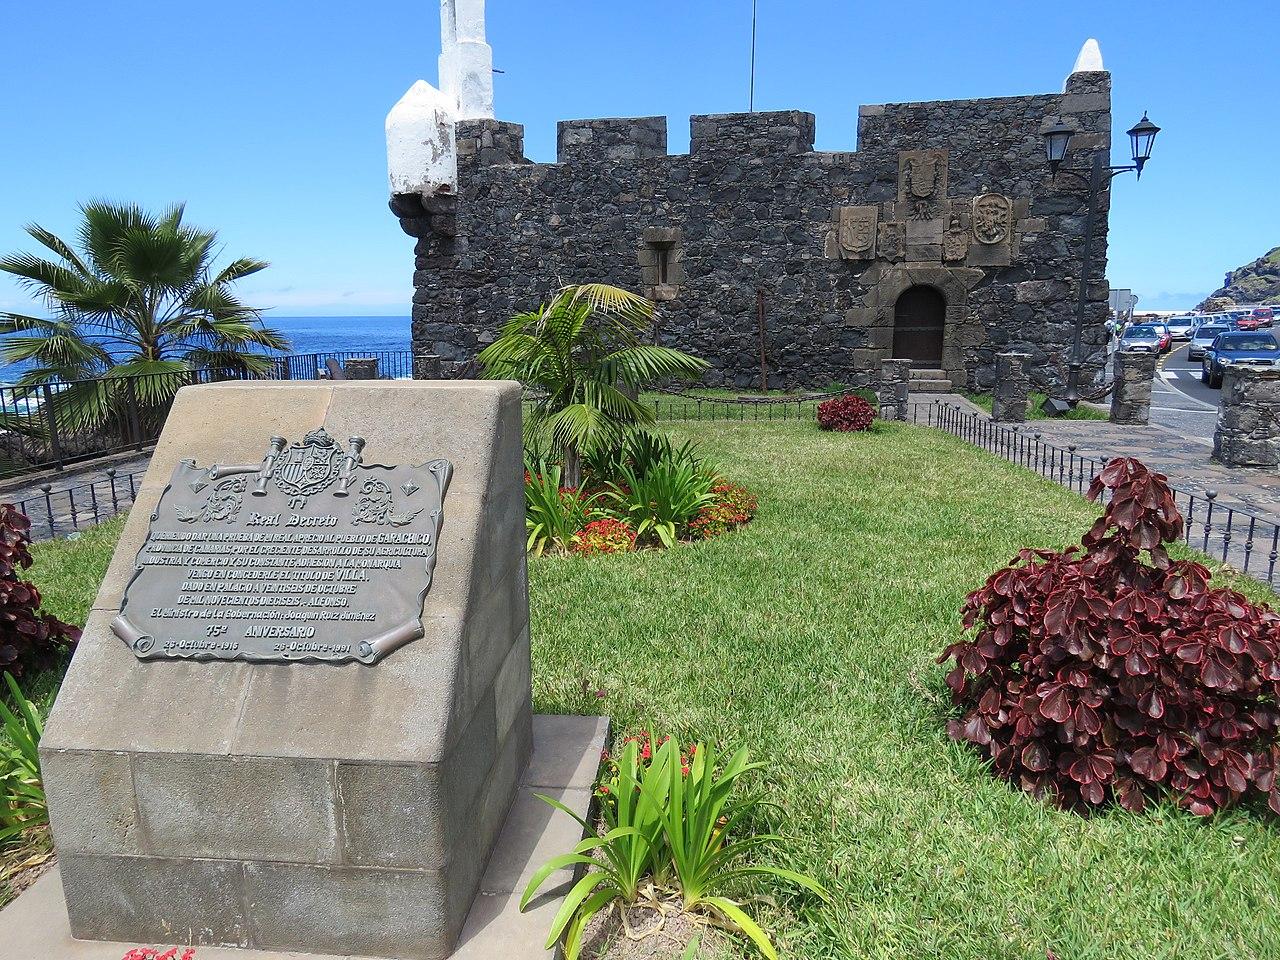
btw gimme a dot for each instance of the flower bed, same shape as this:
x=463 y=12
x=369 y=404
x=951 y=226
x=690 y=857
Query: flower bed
x=645 y=494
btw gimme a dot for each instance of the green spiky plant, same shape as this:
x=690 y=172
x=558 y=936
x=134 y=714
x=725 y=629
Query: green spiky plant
x=136 y=306
x=22 y=800
x=674 y=827
x=582 y=351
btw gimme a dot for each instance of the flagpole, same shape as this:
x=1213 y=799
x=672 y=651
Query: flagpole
x=751 y=92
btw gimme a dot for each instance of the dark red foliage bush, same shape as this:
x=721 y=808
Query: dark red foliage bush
x=28 y=638
x=1098 y=673
x=845 y=413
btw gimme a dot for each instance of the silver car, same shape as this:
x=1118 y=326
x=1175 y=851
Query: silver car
x=1203 y=338
x=1142 y=337
x=1180 y=328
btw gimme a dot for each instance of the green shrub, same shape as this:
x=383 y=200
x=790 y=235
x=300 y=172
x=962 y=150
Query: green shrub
x=553 y=514
x=664 y=500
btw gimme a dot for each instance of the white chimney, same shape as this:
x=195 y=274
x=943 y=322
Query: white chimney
x=466 y=60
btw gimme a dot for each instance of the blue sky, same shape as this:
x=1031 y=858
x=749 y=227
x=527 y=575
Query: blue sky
x=266 y=116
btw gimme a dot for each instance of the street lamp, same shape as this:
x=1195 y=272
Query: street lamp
x=1142 y=136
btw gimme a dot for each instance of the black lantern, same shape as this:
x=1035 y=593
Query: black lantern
x=1055 y=143
x=1142 y=135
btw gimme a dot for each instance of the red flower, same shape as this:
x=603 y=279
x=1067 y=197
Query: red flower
x=606 y=535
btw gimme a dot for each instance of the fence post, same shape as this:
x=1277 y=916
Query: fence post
x=1133 y=372
x=47 y=489
x=1247 y=433
x=51 y=421
x=1013 y=382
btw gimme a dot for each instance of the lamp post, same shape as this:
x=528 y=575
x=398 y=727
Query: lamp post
x=1142 y=136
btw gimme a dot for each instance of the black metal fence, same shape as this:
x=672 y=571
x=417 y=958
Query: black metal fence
x=391 y=364
x=52 y=425
x=66 y=510
x=689 y=406
x=1246 y=541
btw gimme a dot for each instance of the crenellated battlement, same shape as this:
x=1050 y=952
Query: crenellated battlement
x=611 y=138
x=951 y=195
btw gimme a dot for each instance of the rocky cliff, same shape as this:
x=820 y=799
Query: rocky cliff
x=1257 y=282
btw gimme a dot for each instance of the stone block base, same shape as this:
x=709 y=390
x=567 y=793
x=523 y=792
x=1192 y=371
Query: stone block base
x=566 y=756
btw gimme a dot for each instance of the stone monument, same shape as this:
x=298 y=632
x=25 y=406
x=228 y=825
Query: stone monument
x=301 y=707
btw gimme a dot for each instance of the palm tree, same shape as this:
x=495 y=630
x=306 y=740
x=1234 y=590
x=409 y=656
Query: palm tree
x=138 y=305
x=583 y=352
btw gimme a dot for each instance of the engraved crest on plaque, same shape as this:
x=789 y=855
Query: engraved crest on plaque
x=991 y=218
x=308 y=467
x=955 y=242
x=310 y=555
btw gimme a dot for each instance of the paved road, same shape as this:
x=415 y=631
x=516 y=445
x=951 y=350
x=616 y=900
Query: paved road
x=1180 y=401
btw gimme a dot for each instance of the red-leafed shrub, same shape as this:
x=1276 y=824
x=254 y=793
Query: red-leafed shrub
x=845 y=413
x=1097 y=673
x=29 y=639
x=733 y=506
x=606 y=535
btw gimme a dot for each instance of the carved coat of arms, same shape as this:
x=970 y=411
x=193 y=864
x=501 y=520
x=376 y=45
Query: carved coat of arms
x=922 y=175
x=991 y=218
x=310 y=466
x=955 y=242
x=892 y=241
x=858 y=232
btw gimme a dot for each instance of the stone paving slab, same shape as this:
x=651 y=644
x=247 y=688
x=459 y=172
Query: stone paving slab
x=566 y=756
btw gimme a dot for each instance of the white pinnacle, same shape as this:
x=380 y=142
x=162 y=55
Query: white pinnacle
x=422 y=149
x=1089 y=58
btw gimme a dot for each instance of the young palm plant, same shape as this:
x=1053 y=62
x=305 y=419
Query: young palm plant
x=138 y=304
x=582 y=353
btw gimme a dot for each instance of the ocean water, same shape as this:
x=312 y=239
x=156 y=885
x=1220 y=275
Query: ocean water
x=337 y=334
x=315 y=335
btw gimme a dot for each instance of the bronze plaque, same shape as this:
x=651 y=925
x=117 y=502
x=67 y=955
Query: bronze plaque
x=311 y=554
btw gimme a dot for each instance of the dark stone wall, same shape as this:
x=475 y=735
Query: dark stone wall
x=753 y=207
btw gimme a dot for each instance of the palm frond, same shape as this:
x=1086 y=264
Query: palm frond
x=239 y=269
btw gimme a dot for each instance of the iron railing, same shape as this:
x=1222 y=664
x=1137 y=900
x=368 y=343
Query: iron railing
x=57 y=513
x=1237 y=537
x=391 y=364
x=690 y=406
x=39 y=429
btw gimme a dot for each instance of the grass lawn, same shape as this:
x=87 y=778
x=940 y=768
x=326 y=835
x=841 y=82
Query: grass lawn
x=1082 y=412
x=810 y=636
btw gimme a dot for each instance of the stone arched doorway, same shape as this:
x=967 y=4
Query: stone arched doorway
x=919 y=321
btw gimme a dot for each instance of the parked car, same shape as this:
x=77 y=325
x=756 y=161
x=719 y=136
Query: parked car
x=1180 y=328
x=1203 y=339
x=1144 y=337
x=1265 y=315
x=1238 y=349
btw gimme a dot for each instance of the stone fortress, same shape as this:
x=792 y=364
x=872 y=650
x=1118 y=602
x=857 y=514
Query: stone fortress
x=943 y=238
